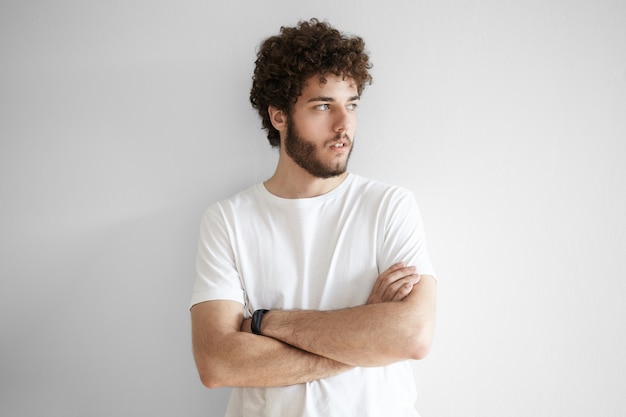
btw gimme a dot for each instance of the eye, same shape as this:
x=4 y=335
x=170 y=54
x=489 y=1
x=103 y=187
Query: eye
x=322 y=107
x=352 y=106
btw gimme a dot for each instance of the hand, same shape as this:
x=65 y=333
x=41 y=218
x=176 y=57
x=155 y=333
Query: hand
x=394 y=284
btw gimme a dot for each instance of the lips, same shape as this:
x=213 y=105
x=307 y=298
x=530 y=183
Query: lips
x=341 y=143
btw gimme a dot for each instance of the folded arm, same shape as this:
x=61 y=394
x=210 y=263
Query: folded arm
x=304 y=346
x=226 y=356
x=370 y=335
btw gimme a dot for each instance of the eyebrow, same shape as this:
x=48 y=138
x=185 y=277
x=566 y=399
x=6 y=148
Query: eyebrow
x=330 y=99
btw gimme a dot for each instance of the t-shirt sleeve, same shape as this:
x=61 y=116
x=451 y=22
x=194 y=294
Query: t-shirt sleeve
x=404 y=236
x=217 y=277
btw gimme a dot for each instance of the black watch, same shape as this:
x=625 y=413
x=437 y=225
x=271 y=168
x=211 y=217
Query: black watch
x=256 y=321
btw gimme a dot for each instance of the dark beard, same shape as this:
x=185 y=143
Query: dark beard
x=303 y=153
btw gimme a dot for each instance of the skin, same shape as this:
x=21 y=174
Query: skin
x=305 y=345
x=325 y=114
x=305 y=152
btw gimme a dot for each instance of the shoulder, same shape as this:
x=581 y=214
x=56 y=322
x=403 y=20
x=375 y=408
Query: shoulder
x=390 y=202
x=239 y=204
x=378 y=190
x=249 y=196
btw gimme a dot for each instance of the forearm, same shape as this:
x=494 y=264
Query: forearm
x=251 y=361
x=369 y=335
x=229 y=357
x=362 y=336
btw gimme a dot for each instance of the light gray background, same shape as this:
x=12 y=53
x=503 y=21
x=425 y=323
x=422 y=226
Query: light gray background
x=120 y=121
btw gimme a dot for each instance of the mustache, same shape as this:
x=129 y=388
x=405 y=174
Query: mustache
x=341 y=136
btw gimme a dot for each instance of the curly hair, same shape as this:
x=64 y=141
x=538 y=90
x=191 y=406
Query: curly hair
x=285 y=61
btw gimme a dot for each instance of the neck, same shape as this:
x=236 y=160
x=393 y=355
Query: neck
x=291 y=181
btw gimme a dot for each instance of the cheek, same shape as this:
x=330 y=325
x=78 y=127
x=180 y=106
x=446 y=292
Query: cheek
x=353 y=124
x=312 y=128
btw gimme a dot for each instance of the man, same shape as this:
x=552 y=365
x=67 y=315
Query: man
x=314 y=288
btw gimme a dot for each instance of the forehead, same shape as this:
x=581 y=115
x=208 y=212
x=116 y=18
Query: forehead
x=333 y=86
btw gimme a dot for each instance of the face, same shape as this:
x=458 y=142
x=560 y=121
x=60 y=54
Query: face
x=320 y=130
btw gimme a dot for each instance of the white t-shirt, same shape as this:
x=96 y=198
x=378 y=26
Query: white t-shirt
x=318 y=253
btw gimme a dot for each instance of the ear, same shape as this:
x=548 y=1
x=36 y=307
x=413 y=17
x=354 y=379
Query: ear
x=278 y=118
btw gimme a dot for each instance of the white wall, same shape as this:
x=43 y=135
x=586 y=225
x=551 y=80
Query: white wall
x=121 y=121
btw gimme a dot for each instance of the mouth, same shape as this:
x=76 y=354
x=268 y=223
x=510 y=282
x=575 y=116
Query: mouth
x=340 y=143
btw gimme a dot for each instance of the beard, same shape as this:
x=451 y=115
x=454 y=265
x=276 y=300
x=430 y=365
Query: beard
x=303 y=153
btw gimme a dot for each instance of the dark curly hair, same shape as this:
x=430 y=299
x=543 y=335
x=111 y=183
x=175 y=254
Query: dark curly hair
x=285 y=61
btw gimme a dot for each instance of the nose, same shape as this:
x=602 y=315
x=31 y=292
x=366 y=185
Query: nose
x=343 y=120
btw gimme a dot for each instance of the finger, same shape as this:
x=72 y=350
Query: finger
x=401 y=288
x=404 y=290
x=394 y=286
x=398 y=274
x=384 y=288
x=383 y=279
x=383 y=284
x=393 y=268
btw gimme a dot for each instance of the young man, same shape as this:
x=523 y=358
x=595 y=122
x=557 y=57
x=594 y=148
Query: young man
x=314 y=288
